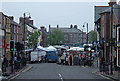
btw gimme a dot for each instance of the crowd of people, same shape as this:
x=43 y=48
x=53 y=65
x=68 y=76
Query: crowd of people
x=76 y=59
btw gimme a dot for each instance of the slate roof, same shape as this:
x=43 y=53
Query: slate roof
x=13 y=22
x=99 y=9
x=116 y=11
x=32 y=26
x=67 y=30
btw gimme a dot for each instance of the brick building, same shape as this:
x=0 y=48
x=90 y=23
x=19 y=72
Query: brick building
x=29 y=28
x=12 y=31
x=72 y=34
x=105 y=25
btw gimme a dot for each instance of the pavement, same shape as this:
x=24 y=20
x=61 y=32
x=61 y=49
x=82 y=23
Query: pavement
x=113 y=76
x=53 y=71
x=14 y=71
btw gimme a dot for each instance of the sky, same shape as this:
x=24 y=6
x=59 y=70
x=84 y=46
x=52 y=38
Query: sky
x=54 y=12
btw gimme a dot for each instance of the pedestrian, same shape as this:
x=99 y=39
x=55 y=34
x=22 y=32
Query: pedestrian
x=80 y=59
x=15 y=62
x=45 y=58
x=66 y=60
x=115 y=63
x=84 y=60
x=62 y=59
x=70 y=60
x=4 y=63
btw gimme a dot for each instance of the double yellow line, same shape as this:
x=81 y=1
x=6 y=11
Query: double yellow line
x=19 y=74
x=27 y=68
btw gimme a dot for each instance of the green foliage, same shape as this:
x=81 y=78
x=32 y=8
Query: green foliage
x=56 y=37
x=92 y=36
x=33 y=39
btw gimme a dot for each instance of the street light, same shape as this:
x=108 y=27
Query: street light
x=87 y=31
x=82 y=37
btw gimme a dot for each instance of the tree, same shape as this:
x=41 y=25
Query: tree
x=56 y=37
x=33 y=39
x=92 y=36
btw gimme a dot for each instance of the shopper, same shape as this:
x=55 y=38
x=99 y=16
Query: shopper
x=66 y=60
x=70 y=60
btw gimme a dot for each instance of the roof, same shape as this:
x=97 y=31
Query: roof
x=115 y=11
x=67 y=30
x=32 y=26
x=99 y=9
x=13 y=22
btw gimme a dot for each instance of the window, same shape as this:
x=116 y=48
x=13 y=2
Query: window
x=52 y=54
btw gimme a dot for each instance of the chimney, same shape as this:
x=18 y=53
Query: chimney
x=71 y=26
x=57 y=26
x=112 y=2
x=11 y=17
x=75 y=26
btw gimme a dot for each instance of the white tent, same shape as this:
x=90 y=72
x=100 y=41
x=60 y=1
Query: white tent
x=41 y=48
x=62 y=47
x=76 y=49
x=51 y=48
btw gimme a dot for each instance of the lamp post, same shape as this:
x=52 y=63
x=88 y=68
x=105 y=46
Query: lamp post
x=111 y=70
x=24 y=29
x=87 y=31
x=82 y=36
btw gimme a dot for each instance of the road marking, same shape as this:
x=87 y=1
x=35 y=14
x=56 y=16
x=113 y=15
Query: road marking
x=27 y=68
x=61 y=77
x=13 y=77
x=19 y=74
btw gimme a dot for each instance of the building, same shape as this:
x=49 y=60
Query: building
x=12 y=31
x=97 y=11
x=72 y=35
x=29 y=28
x=106 y=27
x=44 y=36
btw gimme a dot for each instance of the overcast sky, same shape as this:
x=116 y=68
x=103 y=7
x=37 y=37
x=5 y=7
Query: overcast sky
x=53 y=13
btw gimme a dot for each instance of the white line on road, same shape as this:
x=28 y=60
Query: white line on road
x=61 y=77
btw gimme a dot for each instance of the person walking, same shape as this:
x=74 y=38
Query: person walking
x=62 y=59
x=4 y=63
x=70 y=60
x=115 y=63
x=15 y=62
x=66 y=60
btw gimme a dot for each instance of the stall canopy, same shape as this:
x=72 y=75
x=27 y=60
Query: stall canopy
x=76 y=49
x=40 y=48
x=50 y=48
x=61 y=47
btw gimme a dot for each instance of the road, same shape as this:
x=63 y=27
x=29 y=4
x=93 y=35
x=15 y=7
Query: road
x=53 y=71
